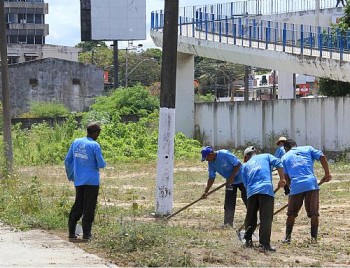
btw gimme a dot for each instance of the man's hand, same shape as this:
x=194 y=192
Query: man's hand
x=326 y=178
x=281 y=183
x=204 y=195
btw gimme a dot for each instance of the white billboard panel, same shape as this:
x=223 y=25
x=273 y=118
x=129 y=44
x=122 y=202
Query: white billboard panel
x=118 y=19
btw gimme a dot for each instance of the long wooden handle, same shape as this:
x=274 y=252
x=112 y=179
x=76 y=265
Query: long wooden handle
x=194 y=202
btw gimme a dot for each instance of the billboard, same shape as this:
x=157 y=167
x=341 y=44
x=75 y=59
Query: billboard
x=113 y=19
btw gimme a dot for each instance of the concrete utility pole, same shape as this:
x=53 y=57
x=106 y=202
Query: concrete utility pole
x=5 y=92
x=165 y=164
x=246 y=84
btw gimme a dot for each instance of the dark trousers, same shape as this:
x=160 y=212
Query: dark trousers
x=84 y=205
x=264 y=204
x=230 y=201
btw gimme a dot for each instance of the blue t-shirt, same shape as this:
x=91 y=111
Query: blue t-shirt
x=83 y=161
x=224 y=164
x=280 y=151
x=257 y=174
x=298 y=164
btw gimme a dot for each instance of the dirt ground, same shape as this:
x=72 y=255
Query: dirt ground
x=225 y=249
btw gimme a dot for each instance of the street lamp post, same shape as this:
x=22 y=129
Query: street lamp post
x=129 y=47
x=127 y=74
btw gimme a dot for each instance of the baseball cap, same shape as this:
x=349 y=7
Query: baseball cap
x=281 y=139
x=249 y=150
x=206 y=151
x=93 y=126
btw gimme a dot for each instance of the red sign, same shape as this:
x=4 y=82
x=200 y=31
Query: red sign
x=304 y=89
x=105 y=76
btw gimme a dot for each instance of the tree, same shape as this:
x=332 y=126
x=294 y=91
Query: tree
x=328 y=86
x=333 y=88
x=90 y=45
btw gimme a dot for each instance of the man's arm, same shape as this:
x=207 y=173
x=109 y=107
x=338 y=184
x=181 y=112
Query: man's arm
x=327 y=176
x=234 y=174
x=282 y=181
x=210 y=182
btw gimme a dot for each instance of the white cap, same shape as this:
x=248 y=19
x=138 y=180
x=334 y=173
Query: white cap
x=248 y=150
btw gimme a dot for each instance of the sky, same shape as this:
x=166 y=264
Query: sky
x=64 y=20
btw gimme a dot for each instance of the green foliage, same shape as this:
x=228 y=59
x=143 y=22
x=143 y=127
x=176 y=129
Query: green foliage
x=204 y=98
x=46 y=109
x=134 y=100
x=90 y=45
x=333 y=88
x=25 y=204
x=43 y=144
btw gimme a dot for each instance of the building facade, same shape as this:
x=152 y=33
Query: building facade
x=73 y=84
x=25 y=21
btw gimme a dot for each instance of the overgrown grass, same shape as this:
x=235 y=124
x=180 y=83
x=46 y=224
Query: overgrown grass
x=126 y=232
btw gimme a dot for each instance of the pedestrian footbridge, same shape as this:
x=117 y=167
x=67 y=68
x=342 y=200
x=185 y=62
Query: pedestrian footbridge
x=290 y=36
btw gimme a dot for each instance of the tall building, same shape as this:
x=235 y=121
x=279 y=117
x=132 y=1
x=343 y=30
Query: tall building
x=25 y=20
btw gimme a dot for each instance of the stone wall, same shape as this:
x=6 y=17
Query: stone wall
x=71 y=83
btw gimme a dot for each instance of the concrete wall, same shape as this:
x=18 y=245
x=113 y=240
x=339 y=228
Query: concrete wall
x=320 y=122
x=71 y=83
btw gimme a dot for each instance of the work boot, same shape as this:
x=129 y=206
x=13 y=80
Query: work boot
x=71 y=230
x=249 y=243
x=267 y=248
x=87 y=230
x=314 y=233
x=289 y=230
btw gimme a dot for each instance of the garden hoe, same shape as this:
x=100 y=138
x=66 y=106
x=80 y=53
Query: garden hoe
x=194 y=202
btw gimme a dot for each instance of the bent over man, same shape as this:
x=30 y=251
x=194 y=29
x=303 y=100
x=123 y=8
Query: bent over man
x=227 y=165
x=298 y=165
x=257 y=178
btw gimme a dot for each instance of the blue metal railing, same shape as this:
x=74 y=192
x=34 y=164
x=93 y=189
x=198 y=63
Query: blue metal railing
x=246 y=30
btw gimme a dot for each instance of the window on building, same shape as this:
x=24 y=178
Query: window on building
x=39 y=40
x=11 y=18
x=22 y=39
x=76 y=81
x=13 y=39
x=33 y=81
x=30 y=18
x=30 y=56
x=22 y=18
x=38 y=19
x=30 y=39
x=12 y=59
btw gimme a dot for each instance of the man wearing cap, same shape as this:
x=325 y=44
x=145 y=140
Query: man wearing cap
x=257 y=178
x=227 y=165
x=298 y=165
x=82 y=163
x=280 y=149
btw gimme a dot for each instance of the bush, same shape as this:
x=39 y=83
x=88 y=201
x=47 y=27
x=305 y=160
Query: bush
x=46 y=109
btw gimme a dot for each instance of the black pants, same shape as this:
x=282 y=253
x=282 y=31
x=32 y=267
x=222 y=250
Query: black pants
x=264 y=204
x=230 y=201
x=84 y=205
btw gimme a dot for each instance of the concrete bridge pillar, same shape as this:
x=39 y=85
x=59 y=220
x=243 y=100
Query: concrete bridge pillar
x=286 y=85
x=184 y=105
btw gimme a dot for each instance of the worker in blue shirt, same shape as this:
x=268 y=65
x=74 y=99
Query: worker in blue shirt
x=228 y=166
x=298 y=163
x=82 y=164
x=280 y=149
x=257 y=178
